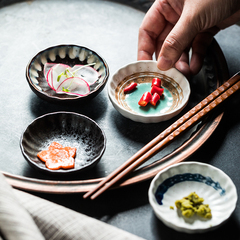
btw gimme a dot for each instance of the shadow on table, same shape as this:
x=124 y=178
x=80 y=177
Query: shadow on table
x=93 y=109
x=229 y=230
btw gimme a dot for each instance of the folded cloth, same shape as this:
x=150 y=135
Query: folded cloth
x=25 y=216
x=15 y=221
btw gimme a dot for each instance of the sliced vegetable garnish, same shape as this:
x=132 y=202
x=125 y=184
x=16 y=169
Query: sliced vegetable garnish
x=47 y=67
x=156 y=82
x=151 y=97
x=57 y=156
x=155 y=99
x=86 y=72
x=74 y=81
x=157 y=90
x=130 y=87
x=53 y=73
x=145 y=99
x=74 y=85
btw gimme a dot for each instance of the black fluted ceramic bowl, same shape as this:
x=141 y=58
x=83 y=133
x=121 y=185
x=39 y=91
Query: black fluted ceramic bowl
x=68 y=129
x=70 y=55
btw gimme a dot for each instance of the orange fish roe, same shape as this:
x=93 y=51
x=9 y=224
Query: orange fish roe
x=57 y=156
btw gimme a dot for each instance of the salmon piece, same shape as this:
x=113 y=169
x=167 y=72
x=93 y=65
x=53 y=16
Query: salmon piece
x=57 y=156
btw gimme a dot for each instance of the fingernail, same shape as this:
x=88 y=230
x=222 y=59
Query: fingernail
x=164 y=63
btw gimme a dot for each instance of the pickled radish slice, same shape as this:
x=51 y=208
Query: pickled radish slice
x=74 y=86
x=48 y=78
x=47 y=67
x=55 y=72
x=66 y=80
x=88 y=73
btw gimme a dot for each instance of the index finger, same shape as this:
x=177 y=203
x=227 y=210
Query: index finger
x=151 y=27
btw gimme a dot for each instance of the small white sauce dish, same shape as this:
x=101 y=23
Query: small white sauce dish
x=178 y=181
x=175 y=97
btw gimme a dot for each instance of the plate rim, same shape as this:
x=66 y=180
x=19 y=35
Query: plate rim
x=142 y=174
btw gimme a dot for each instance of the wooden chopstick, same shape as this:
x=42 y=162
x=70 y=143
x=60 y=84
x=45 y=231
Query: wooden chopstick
x=183 y=123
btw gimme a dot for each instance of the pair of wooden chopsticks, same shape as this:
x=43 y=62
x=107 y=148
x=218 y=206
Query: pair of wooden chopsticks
x=183 y=123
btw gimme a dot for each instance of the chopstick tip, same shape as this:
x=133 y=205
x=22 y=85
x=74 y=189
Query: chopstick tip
x=86 y=195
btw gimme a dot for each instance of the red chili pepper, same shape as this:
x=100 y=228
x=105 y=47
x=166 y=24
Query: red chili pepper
x=145 y=99
x=156 y=82
x=155 y=99
x=157 y=90
x=130 y=87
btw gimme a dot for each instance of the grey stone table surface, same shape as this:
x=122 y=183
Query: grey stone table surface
x=22 y=36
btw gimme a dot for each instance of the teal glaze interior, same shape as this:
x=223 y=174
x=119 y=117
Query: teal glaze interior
x=170 y=99
x=163 y=105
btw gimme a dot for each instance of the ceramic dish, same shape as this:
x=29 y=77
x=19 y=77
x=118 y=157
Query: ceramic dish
x=68 y=129
x=175 y=97
x=178 y=181
x=70 y=55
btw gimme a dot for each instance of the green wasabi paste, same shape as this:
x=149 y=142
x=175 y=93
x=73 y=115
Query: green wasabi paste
x=193 y=204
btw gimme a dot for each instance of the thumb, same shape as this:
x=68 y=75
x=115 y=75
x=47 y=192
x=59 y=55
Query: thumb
x=176 y=42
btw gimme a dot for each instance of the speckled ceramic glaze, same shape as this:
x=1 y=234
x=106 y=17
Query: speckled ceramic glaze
x=178 y=181
x=68 y=129
x=174 y=99
x=69 y=55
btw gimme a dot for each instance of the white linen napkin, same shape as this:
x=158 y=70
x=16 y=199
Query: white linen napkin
x=26 y=217
x=15 y=222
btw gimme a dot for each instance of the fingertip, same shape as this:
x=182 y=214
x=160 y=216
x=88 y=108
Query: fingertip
x=164 y=63
x=196 y=63
x=184 y=68
x=176 y=42
x=143 y=55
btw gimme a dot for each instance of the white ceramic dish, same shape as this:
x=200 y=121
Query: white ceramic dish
x=176 y=92
x=178 y=181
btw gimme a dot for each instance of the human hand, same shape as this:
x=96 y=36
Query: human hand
x=171 y=27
